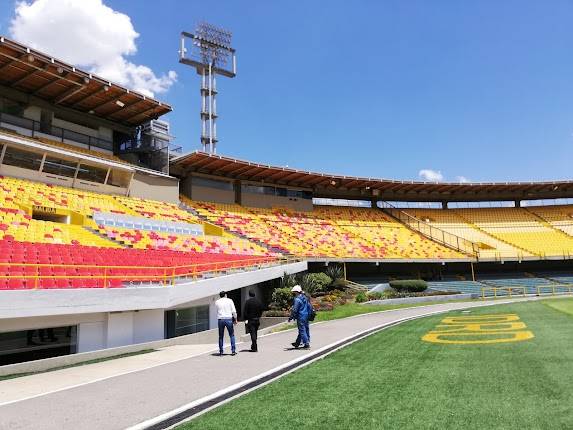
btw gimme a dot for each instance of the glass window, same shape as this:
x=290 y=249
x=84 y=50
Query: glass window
x=60 y=167
x=19 y=158
x=91 y=173
x=27 y=345
x=12 y=107
x=282 y=192
x=191 y=320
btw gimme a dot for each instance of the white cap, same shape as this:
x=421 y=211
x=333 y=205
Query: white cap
x=296 y=289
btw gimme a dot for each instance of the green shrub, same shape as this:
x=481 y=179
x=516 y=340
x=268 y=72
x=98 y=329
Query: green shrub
x=390 y=293
x=410 y=286
x=314 y=283
x=282 y=298
x=335 y=272
x=288 y=281
x=375 y=295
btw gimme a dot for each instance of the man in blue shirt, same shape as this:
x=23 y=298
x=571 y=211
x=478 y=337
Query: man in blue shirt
x=300 y=312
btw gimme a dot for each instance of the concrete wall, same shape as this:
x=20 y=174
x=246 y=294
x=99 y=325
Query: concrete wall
x=154 y=188
x=99 y=330
x=91 y=336
x=33 y=112
x=74 y=127
x=202 y=193
x=267 y=201
x=212 y=195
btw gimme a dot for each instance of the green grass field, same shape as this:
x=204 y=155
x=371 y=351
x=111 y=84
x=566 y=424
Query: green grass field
x=394 y=380
x=352 y=309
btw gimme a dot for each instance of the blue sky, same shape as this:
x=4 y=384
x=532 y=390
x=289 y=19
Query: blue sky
x=480 y=89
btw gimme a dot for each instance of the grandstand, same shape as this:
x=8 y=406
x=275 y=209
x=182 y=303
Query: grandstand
x=126 y=232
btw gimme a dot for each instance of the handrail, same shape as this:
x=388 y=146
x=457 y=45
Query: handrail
x=56 y=131
x=169 y=276
x=448 y=239
x=538 y=289
x=509 y=290
x=83 y=266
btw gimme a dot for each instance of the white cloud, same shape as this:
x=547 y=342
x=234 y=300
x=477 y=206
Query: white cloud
x=431 y=175
x=89 y=34
x=462 y=179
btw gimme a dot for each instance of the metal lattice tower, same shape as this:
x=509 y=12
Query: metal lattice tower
x=211 y=54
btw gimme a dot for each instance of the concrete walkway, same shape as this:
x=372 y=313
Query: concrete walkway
x=140 y=388
x=16 y=389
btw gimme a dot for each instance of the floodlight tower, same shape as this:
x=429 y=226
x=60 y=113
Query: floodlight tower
x=211 y=54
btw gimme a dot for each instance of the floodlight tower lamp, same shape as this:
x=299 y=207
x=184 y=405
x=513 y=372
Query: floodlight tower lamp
x=209 y=54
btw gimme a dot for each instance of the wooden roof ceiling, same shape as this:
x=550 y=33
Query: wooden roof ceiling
x=59 y=83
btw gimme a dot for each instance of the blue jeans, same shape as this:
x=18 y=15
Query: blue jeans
x=231 y=329
x=303 y=332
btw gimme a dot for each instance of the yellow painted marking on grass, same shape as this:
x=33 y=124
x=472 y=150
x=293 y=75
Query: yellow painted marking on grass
x=479 y=329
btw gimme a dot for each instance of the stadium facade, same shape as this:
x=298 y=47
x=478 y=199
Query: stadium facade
x=110 y=236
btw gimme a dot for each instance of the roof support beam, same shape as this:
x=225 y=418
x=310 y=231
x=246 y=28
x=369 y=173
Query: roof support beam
x=252 y=169
x=110 y=101
x=71 y=92
x=28 y=75
x=145 y=112
x=44 y=86
x=12 y=61
x=210 y=163
x=97 y=92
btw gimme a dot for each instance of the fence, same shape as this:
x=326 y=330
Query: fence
x=445 y=238
x=116 y=276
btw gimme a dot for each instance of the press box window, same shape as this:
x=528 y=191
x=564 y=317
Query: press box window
x=59 y=167
x=19 y=158
x=93 y=174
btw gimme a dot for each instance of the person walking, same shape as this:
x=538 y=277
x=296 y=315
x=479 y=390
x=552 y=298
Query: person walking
x=300 y=312
x=252 y=315
x=226 y=318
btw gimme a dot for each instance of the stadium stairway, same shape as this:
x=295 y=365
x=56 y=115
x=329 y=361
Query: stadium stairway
x=547 y=224
x=203 y=218
x=409 y=227
x=497 y=237
x=105 y=237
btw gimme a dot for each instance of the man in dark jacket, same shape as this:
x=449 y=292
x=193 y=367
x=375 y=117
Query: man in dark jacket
x=253 y=312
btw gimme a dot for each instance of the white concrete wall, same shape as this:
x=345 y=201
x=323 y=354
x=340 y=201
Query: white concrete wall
x=91 y=336
x=119 y=329
x=148 y=325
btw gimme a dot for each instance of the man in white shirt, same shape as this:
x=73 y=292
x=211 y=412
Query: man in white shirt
x=226 y=317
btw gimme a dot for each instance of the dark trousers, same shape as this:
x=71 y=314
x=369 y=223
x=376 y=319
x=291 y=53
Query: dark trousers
x=252 y=328
x=228 y=324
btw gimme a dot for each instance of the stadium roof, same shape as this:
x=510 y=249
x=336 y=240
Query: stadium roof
x=59 y=83
x=352 y=187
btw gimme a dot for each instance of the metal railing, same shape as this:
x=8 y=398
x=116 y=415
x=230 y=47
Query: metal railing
x=539 y=290
x=507 y=290
x=163 y=275
x=441 y=236
x=58 y=133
